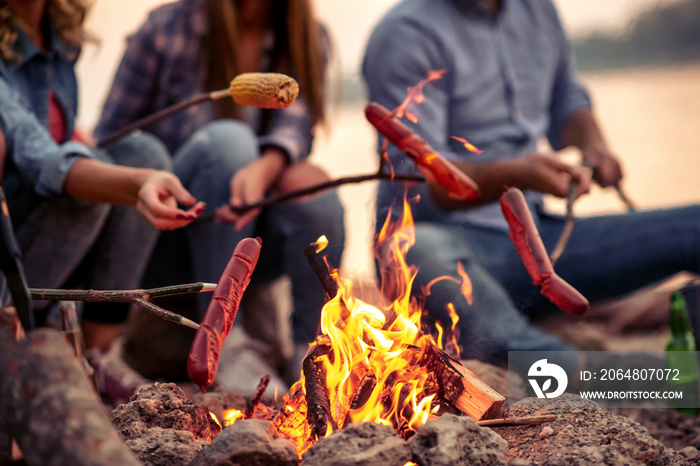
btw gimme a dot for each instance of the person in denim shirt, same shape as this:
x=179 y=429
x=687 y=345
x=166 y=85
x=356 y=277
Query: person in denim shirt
x=233 y=155
x=509 y=82
x=71 y=204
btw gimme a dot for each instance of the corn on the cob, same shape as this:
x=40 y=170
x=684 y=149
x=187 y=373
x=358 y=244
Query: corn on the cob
x=264 y=90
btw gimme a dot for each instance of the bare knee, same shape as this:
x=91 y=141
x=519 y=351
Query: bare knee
x=300 y=176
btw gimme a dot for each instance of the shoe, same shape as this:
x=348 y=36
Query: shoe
x=116 y=380
x=242 y=365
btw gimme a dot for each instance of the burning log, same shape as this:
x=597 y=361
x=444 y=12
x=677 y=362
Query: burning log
x=459 y=386
x=455 y=182
x=526 y=238
x=51 y=408
x=254 y=401
x=317 y=396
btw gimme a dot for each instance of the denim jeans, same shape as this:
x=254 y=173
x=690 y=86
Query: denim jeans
x=606 y=257
x=75 y=244
x=205 y=165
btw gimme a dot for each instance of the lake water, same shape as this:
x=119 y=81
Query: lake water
x=650 y=118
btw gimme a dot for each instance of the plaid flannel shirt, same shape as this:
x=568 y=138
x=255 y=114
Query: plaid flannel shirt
x=163 y=65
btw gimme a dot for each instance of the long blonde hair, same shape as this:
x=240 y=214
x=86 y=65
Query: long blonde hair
x=66 y=17
x=297 y=49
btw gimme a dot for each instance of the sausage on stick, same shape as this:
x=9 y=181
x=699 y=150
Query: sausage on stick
x=203 y=360
x=453 y=180
x=524 y=234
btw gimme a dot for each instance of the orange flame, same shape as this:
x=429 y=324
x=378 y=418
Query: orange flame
x=373 y=371
x=415 y=95
x=469 y=146
x=232 y=415
x=373 y=367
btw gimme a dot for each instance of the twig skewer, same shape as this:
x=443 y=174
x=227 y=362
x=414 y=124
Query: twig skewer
x=282 y=198
x=166 y=112
x=568 y=223
x=262 y=90
x=625 y=199
x=518 y=421
x=138 y=297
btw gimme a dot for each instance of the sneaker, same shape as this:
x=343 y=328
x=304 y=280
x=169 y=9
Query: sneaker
x=117 y=381
x=242 y=365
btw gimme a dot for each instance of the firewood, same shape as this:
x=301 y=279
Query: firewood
x=254 y=401
x=51 y=408
x=317 y=398
x=459 y=386
x=518 y=421
x=292 y=418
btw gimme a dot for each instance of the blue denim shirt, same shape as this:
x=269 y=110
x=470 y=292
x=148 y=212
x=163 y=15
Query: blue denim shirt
x=162 y=66
x=509 y=81
x=24 y=114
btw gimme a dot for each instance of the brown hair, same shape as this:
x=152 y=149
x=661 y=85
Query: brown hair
x=66 y=17
x=297 y=49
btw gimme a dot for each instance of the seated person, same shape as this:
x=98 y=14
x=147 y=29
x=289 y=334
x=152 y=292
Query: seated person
x=72 y=205
x=509 y=81
x=233 y=155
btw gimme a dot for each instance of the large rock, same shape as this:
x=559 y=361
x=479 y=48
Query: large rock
x=166 y=406
x=457 y=440
x=361 y=444
x=166 y=447
x=249 y=443
x=584 y=433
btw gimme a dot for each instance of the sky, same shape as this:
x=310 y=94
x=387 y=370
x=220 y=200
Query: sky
x=350 y=23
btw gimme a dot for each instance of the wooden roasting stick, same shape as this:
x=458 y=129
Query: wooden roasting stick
x=518 y=421
x=568 y=223
x=263 y=90
x=138 y=297
x=203 y=360
x=454 y=181
x=524 y=234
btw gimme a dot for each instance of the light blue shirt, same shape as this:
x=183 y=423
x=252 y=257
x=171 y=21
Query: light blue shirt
x=24 y=114
x=509 y=81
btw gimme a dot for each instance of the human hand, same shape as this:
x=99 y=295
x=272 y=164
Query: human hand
x=547 y=174
x=249 y=186
x=157 y=200
x=607 y=170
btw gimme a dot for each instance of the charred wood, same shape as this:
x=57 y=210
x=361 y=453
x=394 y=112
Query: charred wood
x=254 y=401
x=317 y=397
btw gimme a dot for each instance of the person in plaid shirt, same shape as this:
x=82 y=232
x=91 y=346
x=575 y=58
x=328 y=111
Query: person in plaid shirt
x=234 y=155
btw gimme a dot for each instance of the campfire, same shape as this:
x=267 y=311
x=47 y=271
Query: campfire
x=375 y=363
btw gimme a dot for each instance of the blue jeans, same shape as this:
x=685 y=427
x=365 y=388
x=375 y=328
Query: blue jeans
x=205 y=164
x=606 y=257
x=74 y=244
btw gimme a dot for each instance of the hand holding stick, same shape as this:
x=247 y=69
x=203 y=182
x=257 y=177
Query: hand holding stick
x=568 y=223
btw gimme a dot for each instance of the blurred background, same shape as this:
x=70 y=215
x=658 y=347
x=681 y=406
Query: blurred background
x=640 y=60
